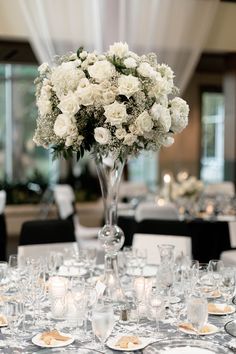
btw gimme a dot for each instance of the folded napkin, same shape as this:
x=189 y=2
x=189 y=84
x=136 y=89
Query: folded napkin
x=49 y=337
x=189 y=327
x=218 y=309
x=127 y=342
x=3 y=320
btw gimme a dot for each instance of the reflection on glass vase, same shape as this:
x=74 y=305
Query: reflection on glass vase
x=110 y=171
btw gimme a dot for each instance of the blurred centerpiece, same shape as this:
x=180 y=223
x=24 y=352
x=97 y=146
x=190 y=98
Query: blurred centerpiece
x=186 y=191
x=113 y=105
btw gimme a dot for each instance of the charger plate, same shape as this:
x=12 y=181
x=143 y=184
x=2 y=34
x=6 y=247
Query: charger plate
x=186 y=346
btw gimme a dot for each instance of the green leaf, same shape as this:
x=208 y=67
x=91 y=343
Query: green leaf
x=79 y=51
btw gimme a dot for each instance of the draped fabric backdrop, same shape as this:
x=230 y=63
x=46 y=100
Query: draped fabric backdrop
x=175 y=29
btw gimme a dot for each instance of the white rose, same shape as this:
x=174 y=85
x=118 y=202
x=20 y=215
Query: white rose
x=85 y=95
x=118 y=49
x=130 y=63
x=130 y=139
x=179 y=114
x=120 y=133
x=115 y=113
x=84 y=82
x=134 y=129
x=69 y=104
x=83 y=54
x=167 y=140
x=102 y=135
x=146 y=70
x=63 y=124
x=101 y=70
x=144 y=122
x=162 y=116
x=108 y=97
x=128 y=85
x=43 y=68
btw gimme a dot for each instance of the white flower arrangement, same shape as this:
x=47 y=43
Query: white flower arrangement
x=189 y=187
x=116 y=102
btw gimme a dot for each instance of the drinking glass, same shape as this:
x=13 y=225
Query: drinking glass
x=156 y=309
x=166 y=253
x=227 y=284
x=3 y=272
x=197 y=311
x=102 y=322
x=14 y=312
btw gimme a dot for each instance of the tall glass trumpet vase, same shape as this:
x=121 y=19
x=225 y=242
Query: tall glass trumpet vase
x=112 y=237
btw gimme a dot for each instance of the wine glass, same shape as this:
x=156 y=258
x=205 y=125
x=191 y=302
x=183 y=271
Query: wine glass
x=215 y=267
x=102 y=322
x=197 y=311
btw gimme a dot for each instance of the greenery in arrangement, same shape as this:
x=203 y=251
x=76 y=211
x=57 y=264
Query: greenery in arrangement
x=116 y=102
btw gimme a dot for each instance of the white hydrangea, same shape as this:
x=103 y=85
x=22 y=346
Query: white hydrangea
x=128 y=85
x=161 y=115
x=179 y=110
x=118 y=49
x=101 y=70
x=115 y=113
x=102 y=135
x=146 y=70
x=144 y=122
x=65 y=78
x=69 y=104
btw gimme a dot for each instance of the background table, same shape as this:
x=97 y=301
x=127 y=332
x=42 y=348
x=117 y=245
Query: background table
x=209 y=238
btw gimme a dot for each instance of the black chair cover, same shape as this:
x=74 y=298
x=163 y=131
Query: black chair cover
x=3 y=238
x=209 y=238
x=46 y=231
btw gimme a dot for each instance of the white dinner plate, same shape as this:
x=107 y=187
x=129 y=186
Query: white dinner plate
x=37 y=341
x=111 y=343
x=221 y=307
x=212 y=329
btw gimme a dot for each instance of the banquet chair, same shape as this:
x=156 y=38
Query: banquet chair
x=150 y=210
x=46 y=231
x=151 y=241
x=3 y=237
x=229 y=256
x=44 y=249
x=65 y=200
x=3 y=197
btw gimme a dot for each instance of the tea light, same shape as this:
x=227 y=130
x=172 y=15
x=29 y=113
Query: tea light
x=58 y=286
x=167 y=186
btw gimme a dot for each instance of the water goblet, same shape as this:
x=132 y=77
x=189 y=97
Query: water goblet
x=227 y=284
x=102 y=322
x=197 y=311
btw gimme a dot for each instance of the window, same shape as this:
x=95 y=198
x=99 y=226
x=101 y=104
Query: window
x=212 y=159
x=20 y=160
x=144 y=168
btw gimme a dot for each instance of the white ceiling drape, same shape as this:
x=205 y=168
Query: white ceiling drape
x=175 y=29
